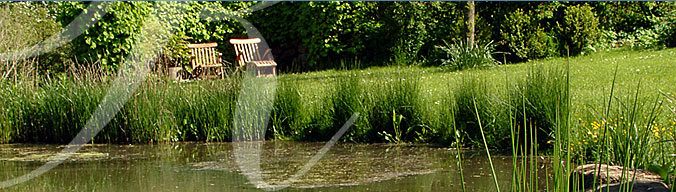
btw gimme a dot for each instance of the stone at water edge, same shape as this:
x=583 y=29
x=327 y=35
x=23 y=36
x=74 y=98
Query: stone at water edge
x=643 y=181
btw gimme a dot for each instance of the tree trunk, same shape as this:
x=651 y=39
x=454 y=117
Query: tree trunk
x=469 y=21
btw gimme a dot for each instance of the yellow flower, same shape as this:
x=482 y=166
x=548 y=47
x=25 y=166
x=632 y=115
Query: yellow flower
x=595 y=125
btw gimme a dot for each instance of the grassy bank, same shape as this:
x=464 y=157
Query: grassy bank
x=611 y=107
x=397 y=104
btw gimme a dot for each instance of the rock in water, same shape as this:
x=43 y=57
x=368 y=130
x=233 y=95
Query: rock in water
x=611 y=178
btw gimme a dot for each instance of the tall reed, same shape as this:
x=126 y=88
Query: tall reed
x=348 y=98
x=472 y=90
x=287 y=112
x=397 y=96
x=488 y=153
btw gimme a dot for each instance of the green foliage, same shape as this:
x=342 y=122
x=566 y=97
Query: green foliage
x=630 y=130
x=667 y=32
x=26 y=24
x=409 y=29
x=111 y=38
x=377 y=103
x=42 y=116
x=177 y=50
x=580 y=28
x=640 y=39
x=318 y=31
x=666 y=25
x=314 y=35
x=531 y=30
x=461 y=56
x=628 y=17
x=638 y=25
x=525 y=37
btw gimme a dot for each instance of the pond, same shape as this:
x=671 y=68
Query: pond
x=215 y=167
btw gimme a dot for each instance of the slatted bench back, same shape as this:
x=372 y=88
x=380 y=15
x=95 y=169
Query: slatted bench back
x=204 y=54
x=246 y=50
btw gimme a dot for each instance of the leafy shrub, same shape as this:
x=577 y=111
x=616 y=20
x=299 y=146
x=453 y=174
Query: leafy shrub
x=111 y=38
x=461 y=55
x=406 y=34
x=311 y=33
x=644 y=38
x=317 y=31
x=631 y=16
x=666 y=27
x=525 y=37
x=580 y=28
x=668 y=34
x=25 y=24
x=176 y=52
x=639 y=24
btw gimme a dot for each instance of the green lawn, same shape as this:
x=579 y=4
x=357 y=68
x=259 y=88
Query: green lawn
x=591 y=79
x=591 y=76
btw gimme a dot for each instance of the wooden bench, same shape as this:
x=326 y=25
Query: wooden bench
x=248 y=54
x=205 y=60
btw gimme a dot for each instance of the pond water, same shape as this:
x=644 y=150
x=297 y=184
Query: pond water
x=214 y=167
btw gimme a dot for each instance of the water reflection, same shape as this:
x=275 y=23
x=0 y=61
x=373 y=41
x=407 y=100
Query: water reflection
x=212 y=167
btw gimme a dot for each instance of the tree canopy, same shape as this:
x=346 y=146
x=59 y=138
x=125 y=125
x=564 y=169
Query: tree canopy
x=318 y=35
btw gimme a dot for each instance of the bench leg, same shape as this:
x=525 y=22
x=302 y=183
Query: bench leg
x=222 y=72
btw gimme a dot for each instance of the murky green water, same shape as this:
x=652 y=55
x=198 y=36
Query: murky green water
x=213 y=167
